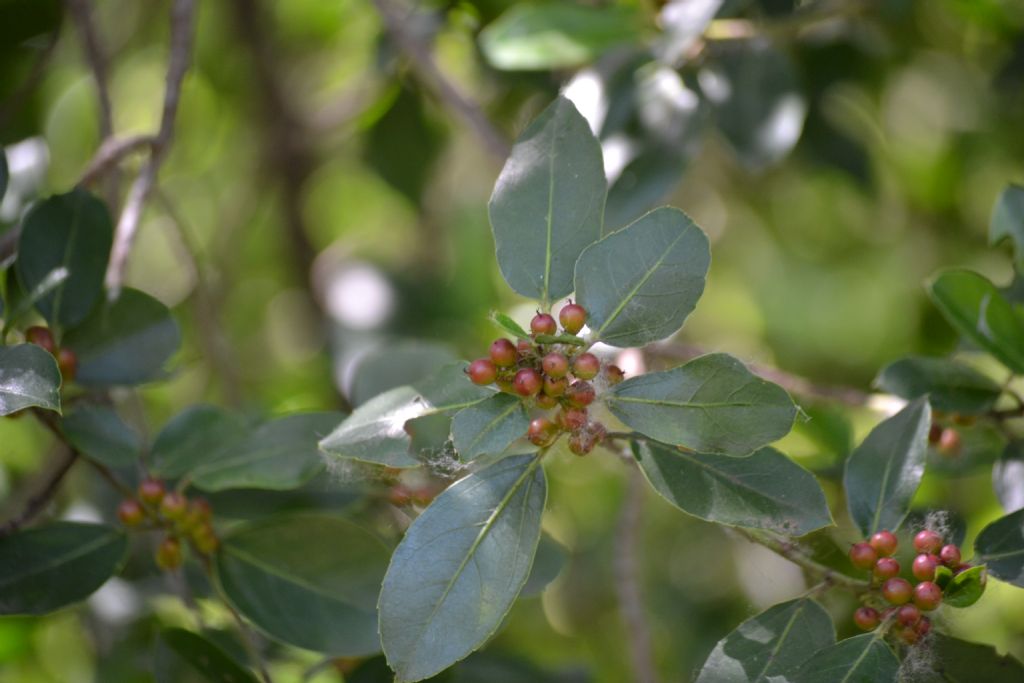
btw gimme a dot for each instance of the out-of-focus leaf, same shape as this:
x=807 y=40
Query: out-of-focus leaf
x=1008 y=222
x=21 y=20
x=489 y=427
x=980 y=447
x=951 y=660
x=193 y=437
x=508 y=325
x=966 y=587
x=28 y=377
x=1000 y=545
x=395 y=365
x=1008 y=477
x=102 y=435
x=4 y=176
x=683 y=22
x=186 y=657
x=547 y=565
x=950 y=386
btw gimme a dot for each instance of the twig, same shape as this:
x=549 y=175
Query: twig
x=627 y=581
x=111 y=152
x=791 y=552
x=127 y=226
x=38 y=502
x=422 y=62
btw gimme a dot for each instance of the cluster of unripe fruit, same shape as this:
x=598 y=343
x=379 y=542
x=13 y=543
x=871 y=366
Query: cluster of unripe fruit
x=67 y=361
x=906 y=601
x=551 y=372
x=172 y=511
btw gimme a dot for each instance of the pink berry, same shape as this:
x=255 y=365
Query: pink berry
x=897 y=591
x=924 y=566
x=542 y=431
x=927 y=541
x=527 y=382
x=503 y=353
x=866 y=618
x=580 y=394
x=927 y=595
x=555 y=365
x=908 y=615
x=482 y=371
x=950 y=555
x=886 y=568
x=884 y=543
x=543 y=323
x=586 y=366
x=573 y=317
x=863 y=556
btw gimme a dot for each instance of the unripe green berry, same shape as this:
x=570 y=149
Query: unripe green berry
x=173 y=505
x=886 y=568
x=866 y=618
x=543 y=323
x=542 y=432
x=884 y=542
x=863 y=556
x=573 y=317
x=527 y=382
x=482 y=371
x=41 y=336
x=204 y=539
x=130 y=512
x=924 y=566
x=555 y=365
x=580 y=394
x=927 y=541
x=897 y=591
x=586 y=366
x=503 y=353
x=151 y=491
x=927 y=595
x=168 y=554
x=950 y=555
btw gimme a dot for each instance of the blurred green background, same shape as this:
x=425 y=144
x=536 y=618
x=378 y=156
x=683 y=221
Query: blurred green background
x=323 y=212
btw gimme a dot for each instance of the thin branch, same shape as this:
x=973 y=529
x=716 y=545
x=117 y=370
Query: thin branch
x=38 y=502
x=421 y=61
x=627 y=581
x=182 y=12
x=111 y=152
x=792 y=552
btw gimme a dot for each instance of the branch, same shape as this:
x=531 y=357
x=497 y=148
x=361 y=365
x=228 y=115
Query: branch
x=110 y=154
x=127 y=226
x=627 y=581
x=792 y=552
x=422 y=62
x=38 y=502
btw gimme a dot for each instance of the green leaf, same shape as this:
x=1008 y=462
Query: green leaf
x=4 y=174
x=950 y=386
x=556 y=35
x=460 y=567
x=712 y=404
x=127 y=341
x=280 y=454
x=102 y=435
x=951 y=660
x=861 y=659
x=966 y=587
x=771 y=645
x=46 y=568
x=1000 y=546
x=71 y=231
x=184 y=657
x=508 y=325
x=396 y=365
x=193 y=437
x=1008 y=222
x=570 y=339
x=943 y=575
x=639 y=284
x=547 y=565
x=883 y=473
x=489 y=427
x=766 y=490
x=979 y=311
x=548 y=203
x=28 y=378
x=310 y=580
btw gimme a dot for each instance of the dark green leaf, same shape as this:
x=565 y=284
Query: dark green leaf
x=548 y=203
x=771 y=645
x=102 y=435
x=395 y=365
x=639 y=284
x=28 y=377
x=508 y=325
x=489 y=427
x=766 y=490
x=311 y=580
x=1008 y=477
x=1000 y=545
x=712 y=404
x=556 y=35
x=547 y=565
x=951 y=660
x=71 y=231
x=193 y=437
x=883 y=473
x=186 y=657
x=280 y=454
x=49 y=567
x=979 y=311
x=943 y=575
x=861 y=659
x=460 y=567
x=643 y=184
x=950 y=386
x=1008 y=222
x=4 y=174
x=966 y=587
x=127 y=341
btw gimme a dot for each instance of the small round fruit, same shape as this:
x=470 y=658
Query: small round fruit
x=546 y=401
x=130 y=512
x=934 y=434
x=927 y=595
x=525 y=348
x=543 y=323
x=924 y=626
x=927 y=541
x=949 y=442
x=527 y=382
x=897 y=591
x=168 y=554
x=580 y=394
x=586 y=366
x=503 y=353
x=574 y=419
x=924 y=566
x=907 y=635
x=482 y=371
x=884 y=543
x=866 y=618
x=950 y=555
x=173 y=505
x=201 y=508
x=542 y=431
x=67 y=362
x=581 y=442
x=908 y=615
x=41 y=336
x=151 y=491
x=613 y=374
x=204 y=539
x=863 y=556
x=573 y=317
x=555 y=365
x=886 y=568
x=555 y=387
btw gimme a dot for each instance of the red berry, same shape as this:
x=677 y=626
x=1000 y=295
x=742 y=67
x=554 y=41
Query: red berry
x=886 y=568
x=950 y=555
x=503 y=353
x=555 y=365
x=907 y=635
x=586 y=366
x=67 y=362
x=546 y=401
x=582 y=442
x=174 y=505
x=863 y=556
x=927 y=541
x=961 y=568
x=130 y=512
x=934 y=433
x=151 y=491
x=525 y=348
x=542 y=431
x=573 y=317
x=866 y=618
x=41 y=336
x=927 y=595
x=574 y=419
x=482 y=371
x=897 y=591
x=884 y=543
x=580 y=394
x=168 y=554
x=924 y=626
x=908 y=615
x=527 y=382
x=555 y=387
x=614 y=374
x=924 y=566
x=949 y=442
x=543 y=323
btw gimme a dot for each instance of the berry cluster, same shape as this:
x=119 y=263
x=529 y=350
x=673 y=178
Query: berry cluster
x=67 y=361
x=551 y=371
x=906 y=601
x=174 y=513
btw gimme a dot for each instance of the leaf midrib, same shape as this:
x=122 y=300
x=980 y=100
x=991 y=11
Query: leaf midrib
x=75 y=553
x=493 y=424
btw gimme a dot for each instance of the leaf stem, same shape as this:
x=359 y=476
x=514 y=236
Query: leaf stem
x=792 y=552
